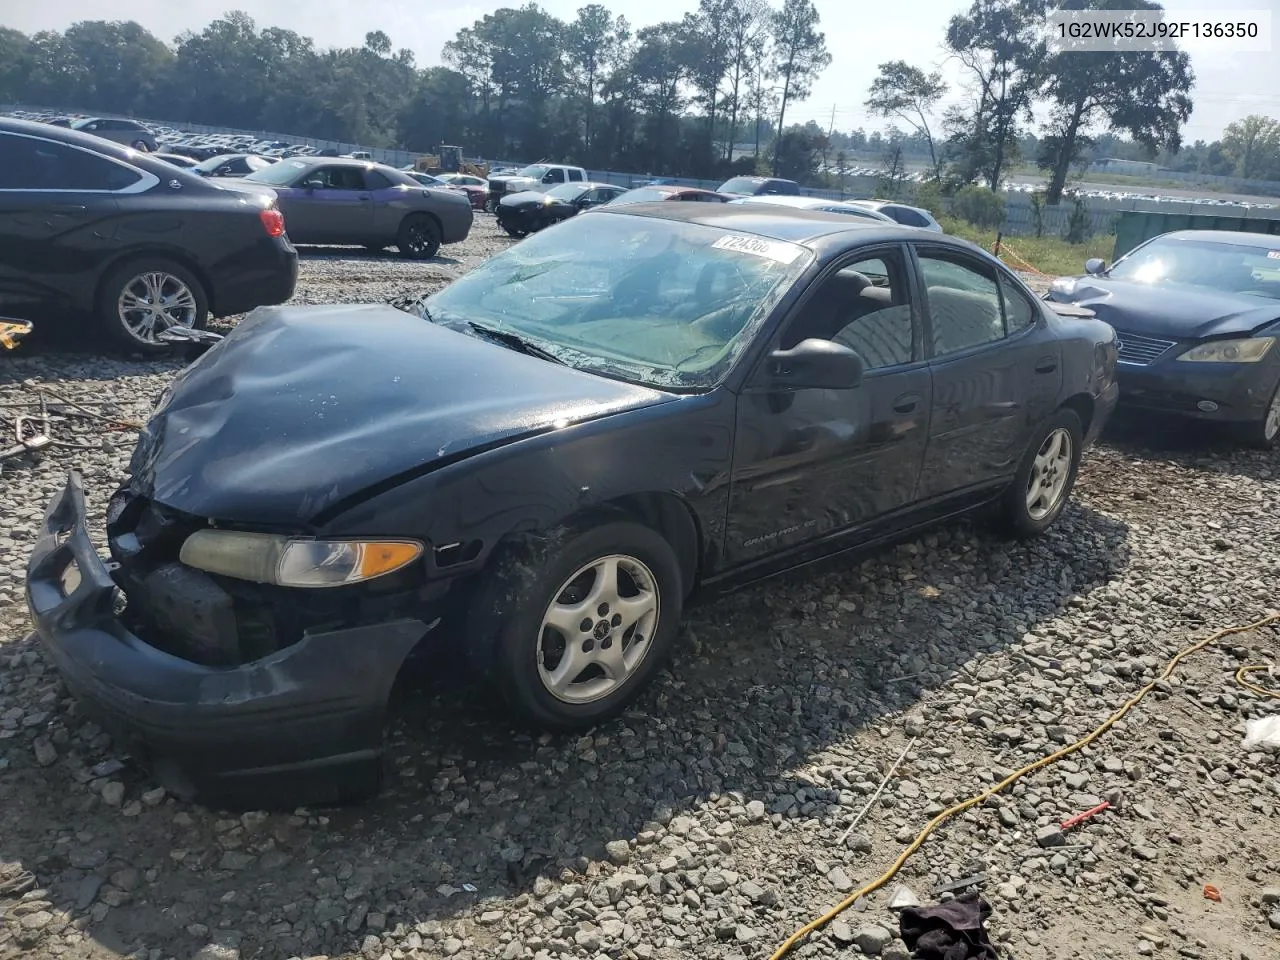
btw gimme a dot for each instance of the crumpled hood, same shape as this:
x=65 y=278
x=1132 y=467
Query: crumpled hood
x=1174 y=313
x=525 y=198
x=303 y=407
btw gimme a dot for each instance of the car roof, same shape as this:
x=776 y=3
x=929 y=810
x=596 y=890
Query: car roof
x=1242 y=238
x=795 y=225
x=78 y=138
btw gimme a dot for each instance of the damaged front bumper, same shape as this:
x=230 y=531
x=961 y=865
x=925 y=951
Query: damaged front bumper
x=301 y=725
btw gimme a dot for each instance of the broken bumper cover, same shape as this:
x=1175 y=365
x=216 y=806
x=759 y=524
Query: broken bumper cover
x=303 y=725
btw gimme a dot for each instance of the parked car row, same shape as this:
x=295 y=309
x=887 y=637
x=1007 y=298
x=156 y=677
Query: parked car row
x=151 y=137
x=91 y=228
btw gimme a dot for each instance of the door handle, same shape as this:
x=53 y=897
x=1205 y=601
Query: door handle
x=1046 y=365
x=906 y=403
x=365 y=198
x=66 y=208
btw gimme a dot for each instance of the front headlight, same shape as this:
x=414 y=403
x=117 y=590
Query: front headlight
x=295 y=561
x=1249 y=350
x=1063 y=285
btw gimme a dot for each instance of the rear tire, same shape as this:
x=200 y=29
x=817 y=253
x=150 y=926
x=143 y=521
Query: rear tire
x=571 y=629
x=140 y=298
x=419 y=237
x=1042 y=486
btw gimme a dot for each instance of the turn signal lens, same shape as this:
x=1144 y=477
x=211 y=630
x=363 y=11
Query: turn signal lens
x=272 y=221
x=296 y=562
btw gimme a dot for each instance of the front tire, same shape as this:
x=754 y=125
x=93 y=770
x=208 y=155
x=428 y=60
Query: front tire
x=571 y=629
x=141 y=298
x=1263 y=434
x=419 y=237
x=1045 y=477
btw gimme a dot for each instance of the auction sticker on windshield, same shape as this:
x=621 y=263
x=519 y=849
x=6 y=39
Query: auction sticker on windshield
x=1273 y=254
x=777 y=250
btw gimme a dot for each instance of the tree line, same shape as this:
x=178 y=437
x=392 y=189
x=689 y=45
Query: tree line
x=673 y=98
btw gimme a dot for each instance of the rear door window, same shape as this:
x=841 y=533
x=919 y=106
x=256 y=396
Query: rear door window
x=575 y=175
x=29 y=163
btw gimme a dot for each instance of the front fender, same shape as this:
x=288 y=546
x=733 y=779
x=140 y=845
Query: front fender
x=464 y=510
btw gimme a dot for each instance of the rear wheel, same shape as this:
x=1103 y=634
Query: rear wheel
x=141 y=299
x=1045 y=477
x=419 y=237
x=570 y=631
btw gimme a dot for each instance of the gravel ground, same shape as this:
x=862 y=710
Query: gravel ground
x=707 y=822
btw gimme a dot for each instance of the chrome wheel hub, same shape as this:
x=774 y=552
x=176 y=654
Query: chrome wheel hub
x=1049 y=473
x=598 y=629
x=1271 y=426
x=153 y=302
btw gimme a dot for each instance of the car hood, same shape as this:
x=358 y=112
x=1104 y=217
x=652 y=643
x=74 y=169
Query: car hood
x=304 y=407
x=525 y=198
x=514 y=183
x=1176 y=313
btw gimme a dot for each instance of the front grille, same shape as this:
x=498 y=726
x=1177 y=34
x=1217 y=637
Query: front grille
x=1139 y=350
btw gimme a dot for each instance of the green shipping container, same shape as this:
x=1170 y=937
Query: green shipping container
x=1135 y=228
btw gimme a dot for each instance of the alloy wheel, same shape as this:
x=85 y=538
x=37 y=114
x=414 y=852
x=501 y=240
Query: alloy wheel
x=1049 y=473
x=155 y=301
x=598 y=630
x=1271 y=425
x=419 y=238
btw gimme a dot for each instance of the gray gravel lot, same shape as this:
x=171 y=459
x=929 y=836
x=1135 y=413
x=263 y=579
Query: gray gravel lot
x=706 y=822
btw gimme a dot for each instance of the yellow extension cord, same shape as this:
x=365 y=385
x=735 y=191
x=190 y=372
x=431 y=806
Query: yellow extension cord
x=1241 y=678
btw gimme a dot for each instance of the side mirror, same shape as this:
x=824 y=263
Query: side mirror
x=816 y=365
x=1095 y=266
x=313 y=185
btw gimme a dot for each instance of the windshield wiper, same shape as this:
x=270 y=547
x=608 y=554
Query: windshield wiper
x=515 y=342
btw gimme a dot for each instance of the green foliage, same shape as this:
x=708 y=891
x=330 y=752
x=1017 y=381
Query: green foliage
x=928 y=196
x=979 y=206
x=1050 y=254
x=1079 y=228
x=517 y=83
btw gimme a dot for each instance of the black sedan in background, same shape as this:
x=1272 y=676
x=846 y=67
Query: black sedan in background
x=528 y=211
x=91 y=228
x=177 y=159
x=232 y=165
x=1198 y=315
x=542 y=466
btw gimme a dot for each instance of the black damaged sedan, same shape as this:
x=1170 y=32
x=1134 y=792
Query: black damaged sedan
x=521 y=214
x=542 y=465
x=1197 y=313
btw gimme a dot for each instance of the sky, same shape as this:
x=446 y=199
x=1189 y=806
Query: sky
x=859 y=36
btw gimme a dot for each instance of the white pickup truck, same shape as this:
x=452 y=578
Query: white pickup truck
x=537 y=176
